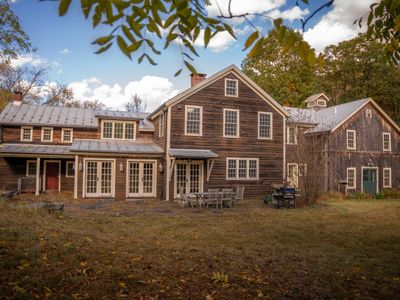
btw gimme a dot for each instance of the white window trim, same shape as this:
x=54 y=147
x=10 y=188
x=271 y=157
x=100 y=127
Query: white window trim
x=201 y=120
x=270 y=127
x=347 y=140
x=62 y=135
x=67 y=167
x=296 y=176
x=45 y=173
x=287 y=135
x=113 y=176
x=155 y=171
x=161 y=125
x=368 y=113
x=27 y=168
x=390 y=177
x=51 y=135
x=123 y=129
x=237 y=124
x=247 y=168
x=22 y=133
x=237 y=87
x=355 y=178
x=390 y=141
x=321 y=102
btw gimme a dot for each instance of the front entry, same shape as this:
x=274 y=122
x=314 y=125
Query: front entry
x=52 y=176
x=370 y=182
x=188 y=175
x=141 y=179
x=99 y=178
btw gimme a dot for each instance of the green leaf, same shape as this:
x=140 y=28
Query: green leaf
x=102 y=49
x=256 y=48
x=63 y=7
x=178 y=73
x=103 y=40
x=251 y=39
x=207 y=36
x=190 y=68
x=123 y=46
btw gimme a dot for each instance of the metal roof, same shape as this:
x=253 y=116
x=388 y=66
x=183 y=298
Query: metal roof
x=192 y=153
x=115 y=146
x=302 y=115
x=34 y=149
x=34 y=115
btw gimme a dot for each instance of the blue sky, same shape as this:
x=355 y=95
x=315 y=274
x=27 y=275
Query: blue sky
x=64 y=43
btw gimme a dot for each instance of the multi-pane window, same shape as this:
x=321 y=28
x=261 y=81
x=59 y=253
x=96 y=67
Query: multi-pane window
x=47 y=134
x=231 y=123
x=193 y=122
x=293 y=174
x=118 y=130
x=161 y=125
x=387 y=177
x=368 y=113
x=26 y=133
x=351 y=139
x=387 y=141
x=66 y=135
x=351 y=178
x=30 y=168
x=291 y=135
x=302 y=169
x=231 y=87
x=264 y=125
x=70 y=169
x=242 y=168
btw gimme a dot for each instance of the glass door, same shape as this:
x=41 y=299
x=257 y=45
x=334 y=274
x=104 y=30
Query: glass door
x=141 y=178
x=99 y=178
x=188 y=176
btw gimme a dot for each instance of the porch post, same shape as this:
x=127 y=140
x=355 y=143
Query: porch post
x=76 y=177
x=37 y=176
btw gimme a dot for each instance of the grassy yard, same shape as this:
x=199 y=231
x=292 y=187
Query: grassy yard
x=344 y=249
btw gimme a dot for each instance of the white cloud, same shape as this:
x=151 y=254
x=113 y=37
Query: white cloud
x=65 y=51
x=290 y=14
x=337 y=25
x=30 y=59
x=153 y=90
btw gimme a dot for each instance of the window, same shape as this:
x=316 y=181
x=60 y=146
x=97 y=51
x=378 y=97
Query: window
x=31 y=168
x=66 y=135
x=231 y=87
x=311 y=104
x=193 y=120
x=302 y=169
x=70 y=169
x=293 y=174
x=26 y=133
x=351 y=178
x=118 y=130
x=242 y=168
x=387 y=143
x=321 y=102
x=387 y=177
x=161 y=125
x=47 y=134
x=291 y=135
x=231 y=123
x=264 y=125
x=351 y=139
x=368 y=113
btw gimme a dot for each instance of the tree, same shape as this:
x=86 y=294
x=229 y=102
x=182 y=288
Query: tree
x=135 y=104
x=13 y=39
x=281 y=72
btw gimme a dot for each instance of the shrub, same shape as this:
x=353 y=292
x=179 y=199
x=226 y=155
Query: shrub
x=359 y=195
x=388 y=194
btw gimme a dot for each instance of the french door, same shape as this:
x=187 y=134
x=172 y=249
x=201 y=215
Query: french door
x=189 y=176
x=141 y=179
x=99 y=176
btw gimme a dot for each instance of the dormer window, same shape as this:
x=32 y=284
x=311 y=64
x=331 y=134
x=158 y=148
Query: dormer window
x=321 y=103
x=231 y=87
x=311 y=104
x=118 y=130
x=26 y=133
x=66 y=135
x=47 y=134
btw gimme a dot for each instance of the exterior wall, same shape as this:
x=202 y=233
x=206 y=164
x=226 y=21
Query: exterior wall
x=213 y=101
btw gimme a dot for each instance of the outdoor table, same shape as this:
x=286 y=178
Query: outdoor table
x=201 y=196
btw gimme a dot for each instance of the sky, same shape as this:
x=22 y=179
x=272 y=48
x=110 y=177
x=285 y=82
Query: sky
x=64 y=46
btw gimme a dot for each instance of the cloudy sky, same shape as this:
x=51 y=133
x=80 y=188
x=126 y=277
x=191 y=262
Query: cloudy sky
x=64 y=45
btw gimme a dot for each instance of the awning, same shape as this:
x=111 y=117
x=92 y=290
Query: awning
x=192 y=153
x=30 y=149
x=115 y=146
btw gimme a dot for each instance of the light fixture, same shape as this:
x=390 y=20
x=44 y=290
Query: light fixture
x=160 y=167
x=80 y=166
x=121 y=167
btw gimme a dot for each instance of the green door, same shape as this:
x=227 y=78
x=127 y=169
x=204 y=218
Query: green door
x=369 y=181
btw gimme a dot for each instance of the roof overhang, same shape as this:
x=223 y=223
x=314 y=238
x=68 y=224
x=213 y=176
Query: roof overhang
x=192 y=153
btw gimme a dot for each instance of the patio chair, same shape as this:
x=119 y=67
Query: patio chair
x=184 y=199
x=239 y=194
x=227 y=197
x=212 y=199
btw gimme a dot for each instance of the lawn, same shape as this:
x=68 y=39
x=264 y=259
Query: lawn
x=344 y=249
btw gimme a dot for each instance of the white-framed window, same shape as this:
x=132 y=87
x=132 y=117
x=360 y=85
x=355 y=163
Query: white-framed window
x=387 y=141
x=193 y=120
x=67 y=135
x=311 y=104
x=242 y=168
x=321 y=102
x=351 y=178
x=26 y=133
x=293 y=174
x=161 y=125
x=70 y=169
x=291 y=137
x=231 y=87
x=265 y=125
x=302 y=169
x=368 y=113
x=387 y=177
x=351 y=139
x=119 y=130
x=47 y=134
x=31 y=168
x=231 y=123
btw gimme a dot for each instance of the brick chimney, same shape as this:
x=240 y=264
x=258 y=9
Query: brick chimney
x=196 y=79
x=17 y=98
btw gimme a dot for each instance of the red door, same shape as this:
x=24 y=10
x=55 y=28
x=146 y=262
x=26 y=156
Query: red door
x=52 y=173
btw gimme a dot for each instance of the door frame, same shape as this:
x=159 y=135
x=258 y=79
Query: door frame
x=155 y=171
x=113 y=175
x=362 y=177
x=187 y=162
x=45 y=173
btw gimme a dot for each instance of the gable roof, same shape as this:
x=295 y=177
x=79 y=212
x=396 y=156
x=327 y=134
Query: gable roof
x=315 y=97
x=206 y=82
